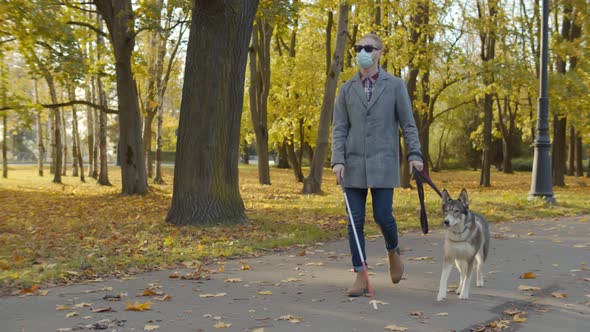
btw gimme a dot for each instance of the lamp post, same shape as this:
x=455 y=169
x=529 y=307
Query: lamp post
x=542 y=181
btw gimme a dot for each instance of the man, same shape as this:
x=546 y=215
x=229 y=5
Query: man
x=369 y=110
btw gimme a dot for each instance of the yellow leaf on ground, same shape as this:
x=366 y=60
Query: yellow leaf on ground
x=394 y=327
x=72 y=314
x=30 y=290
x=291 y=319
x=149 y=327
x=63 y=307
x=164 y=298
x=519 y=319
x=512 y=312
x=559 y=295
x=244 y=266
x=442 y=314
x=266 y=292
x=149 y=292
x=291 y=280
x=528 y=275
x=220 y=268
x=528 y=288
x=221 y=325
x=137 y=306
x=212 y=295
x=315 y=264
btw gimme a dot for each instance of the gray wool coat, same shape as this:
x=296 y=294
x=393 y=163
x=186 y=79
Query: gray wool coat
x=365 y=135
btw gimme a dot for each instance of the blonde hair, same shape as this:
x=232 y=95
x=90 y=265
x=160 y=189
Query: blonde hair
x=375 y=38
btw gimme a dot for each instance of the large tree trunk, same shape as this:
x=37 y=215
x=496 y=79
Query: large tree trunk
x=90 y=133
x=51 y=140
x=96 y=150
x=245 y=152
x=206 y=187
x=147 y=139
x=313 y=183
x=559 y=150
x=57 y=147
x=119 y=19
x=103 y=170
x=259 y=89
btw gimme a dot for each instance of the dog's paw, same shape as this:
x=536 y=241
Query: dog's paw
x=479 y=283
x=440 y=297
x=463 y=297
x=458 y=291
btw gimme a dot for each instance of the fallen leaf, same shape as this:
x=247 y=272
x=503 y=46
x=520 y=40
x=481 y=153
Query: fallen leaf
x=315 y=264
x=258 y=330
x=530 y=233
x=519 y=319
x=528 y=275
x=174 y=276
x=417 y=313
x=394 y=327
x=586 y=279
x=512 y=312
x=423 y=258
x=62 y=307
x=104 y=309
x=212 y=295
x=559 y=295
x=301 y=253
x=244 y=266
x=500 y=324
x=149 y=327
x=149 y=292
x=221 y=325
x=233 y=280
x=72 y=314
x=30 y=290
x=63 y=329
x=83 y=305
x=291 y=280
x=291 y=319
x=164 y=298
x=580 y=246
x=442 y=314
x=137 y=306
x=380 y=302
x=220 y=268
x=528 y=288
x=543 y=310
x=267 y=292
x=112 y=297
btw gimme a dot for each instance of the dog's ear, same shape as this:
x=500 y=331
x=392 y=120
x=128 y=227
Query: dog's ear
x=463 y=198
x=445 y=197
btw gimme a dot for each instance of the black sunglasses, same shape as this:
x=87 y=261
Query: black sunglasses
x=367 y=48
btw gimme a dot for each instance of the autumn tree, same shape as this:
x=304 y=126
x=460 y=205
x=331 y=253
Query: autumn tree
x=206 y=169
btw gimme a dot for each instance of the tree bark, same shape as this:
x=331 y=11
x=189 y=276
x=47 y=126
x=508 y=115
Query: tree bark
x=119 y=18
x=313 y=183
x=579 y=155
x=295 y=164
x=4 y=145
x=77 y=150
x=488 y=52
x=159 y=178
x=259 y=90
x=90 y=133
x=40 y=146
x=283 y=155
x=57 y=147
x=64 y=168
x=206 y=190
x=147 y=139
x=559 y=150
x=571 y=151
x=245 y=152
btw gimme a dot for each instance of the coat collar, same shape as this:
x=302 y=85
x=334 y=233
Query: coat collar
x=378 y=89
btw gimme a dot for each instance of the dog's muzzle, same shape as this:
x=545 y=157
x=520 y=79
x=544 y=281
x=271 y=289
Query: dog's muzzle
x=446 y=222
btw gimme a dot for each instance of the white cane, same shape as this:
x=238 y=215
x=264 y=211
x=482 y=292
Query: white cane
x=358 y=245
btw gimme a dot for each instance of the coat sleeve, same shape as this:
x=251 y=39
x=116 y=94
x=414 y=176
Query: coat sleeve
x=403 y=108
x=340 y=127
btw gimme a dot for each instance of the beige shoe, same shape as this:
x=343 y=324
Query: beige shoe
x=396 y=267
x=359 y=287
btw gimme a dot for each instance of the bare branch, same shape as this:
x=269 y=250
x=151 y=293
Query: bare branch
x=89 y=26
x=69 y=103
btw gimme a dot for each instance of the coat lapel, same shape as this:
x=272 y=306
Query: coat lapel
x=378 y=89
x=360 y=91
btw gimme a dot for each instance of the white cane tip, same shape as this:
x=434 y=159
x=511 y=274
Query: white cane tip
x=374 y=304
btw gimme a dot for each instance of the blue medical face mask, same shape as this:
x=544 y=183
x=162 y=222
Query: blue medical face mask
x=364 y=59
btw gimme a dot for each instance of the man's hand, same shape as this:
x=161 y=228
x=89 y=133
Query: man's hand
x=416 y=164
x=338 y=170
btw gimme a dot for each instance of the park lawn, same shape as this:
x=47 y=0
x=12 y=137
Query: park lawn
x=65 y=233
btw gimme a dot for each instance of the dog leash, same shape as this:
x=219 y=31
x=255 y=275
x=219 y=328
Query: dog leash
x=420 y=177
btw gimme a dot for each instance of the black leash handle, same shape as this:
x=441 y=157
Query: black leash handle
x=420 y=177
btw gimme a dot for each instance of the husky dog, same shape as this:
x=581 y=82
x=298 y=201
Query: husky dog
x=467 y=240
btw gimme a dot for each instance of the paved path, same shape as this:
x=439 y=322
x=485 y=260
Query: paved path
x=308 y=290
